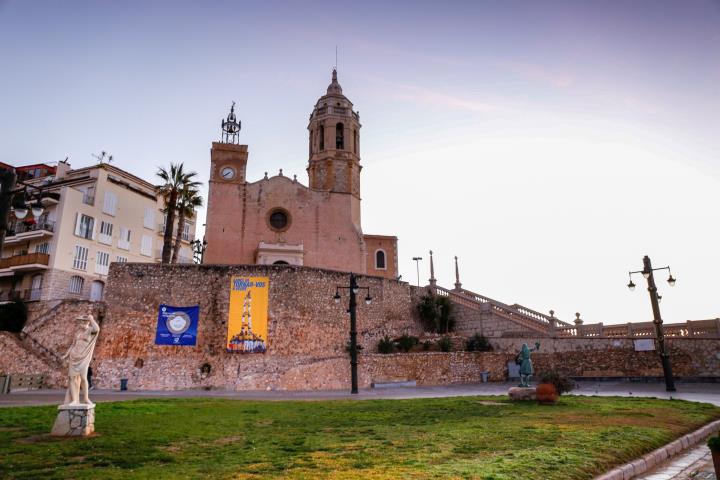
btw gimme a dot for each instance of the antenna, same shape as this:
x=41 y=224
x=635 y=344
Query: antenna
x=335 y=57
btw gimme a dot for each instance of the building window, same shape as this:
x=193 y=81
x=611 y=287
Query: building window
x=339 y=136
x=42 y=247
x=279 y=219
x=149 y=219
x=80 y=258
x=124 y=240
x=121 y=259
x=146 y=245
x=312 y=138
x=85 y=226
x=110 y=204
x=76 y=284
x=102 y=262
x=106 y=230
x=186 y=232
x=355 y=141
x=380 y=260
x=321 y=136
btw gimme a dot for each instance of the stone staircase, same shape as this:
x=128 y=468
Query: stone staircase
x=523 y=317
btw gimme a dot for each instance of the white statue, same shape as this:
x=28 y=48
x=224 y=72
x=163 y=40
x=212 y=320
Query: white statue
x=79 y=356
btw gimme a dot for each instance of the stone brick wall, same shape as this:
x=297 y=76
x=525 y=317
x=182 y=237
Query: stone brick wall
x=308 y=333
x=469 y=321
x=17 y=360
x=305 y=325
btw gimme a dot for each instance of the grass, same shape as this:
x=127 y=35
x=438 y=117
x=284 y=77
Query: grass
x=468 y=437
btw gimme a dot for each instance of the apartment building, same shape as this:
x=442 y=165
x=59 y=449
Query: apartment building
x=92 y=216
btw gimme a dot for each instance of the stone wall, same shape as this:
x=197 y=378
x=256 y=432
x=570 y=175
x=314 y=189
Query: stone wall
x=305 y=326
x=17 y=360
x=308 y=334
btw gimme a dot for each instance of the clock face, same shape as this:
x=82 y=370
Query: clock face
x=228 y=173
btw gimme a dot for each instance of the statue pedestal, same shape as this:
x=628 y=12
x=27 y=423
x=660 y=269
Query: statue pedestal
x=522 y=393
x=74 y=421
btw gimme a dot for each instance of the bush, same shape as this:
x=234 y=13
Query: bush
x=478 y=343
x=426 y=345
x=385 y=345
x=714 y=444
x=13 y=316
x=562 y=383
x=445 y=344
x=406 y=342
x=436 y=313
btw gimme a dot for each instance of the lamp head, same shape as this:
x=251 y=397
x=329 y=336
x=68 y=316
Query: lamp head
x=671 y=280
x=368 y=299
x=336 y=297
x=631 y=285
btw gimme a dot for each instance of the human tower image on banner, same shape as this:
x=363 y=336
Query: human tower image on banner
x=247 y=325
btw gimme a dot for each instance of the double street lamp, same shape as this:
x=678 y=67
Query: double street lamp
x=352 y=310
x=647 y=272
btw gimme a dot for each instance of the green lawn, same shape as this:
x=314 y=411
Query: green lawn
x=468 y=437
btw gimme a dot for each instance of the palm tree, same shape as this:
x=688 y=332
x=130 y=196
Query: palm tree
x=175 y=180
x=188 y=200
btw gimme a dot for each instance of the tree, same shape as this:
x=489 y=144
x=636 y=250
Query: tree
x=175 y=180
x=436 y=312
x=188 y=200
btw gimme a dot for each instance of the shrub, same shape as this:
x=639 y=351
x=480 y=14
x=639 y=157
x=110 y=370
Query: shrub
x=426 y=345
x=358 y=347
x=445 y=344
x=436 y=313
x=714 y=443
x=562 y=383
x=385 y=345
x=13 y=316
x=478 y=343
x=406 y=342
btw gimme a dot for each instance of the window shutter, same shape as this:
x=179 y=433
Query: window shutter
x=77 y=224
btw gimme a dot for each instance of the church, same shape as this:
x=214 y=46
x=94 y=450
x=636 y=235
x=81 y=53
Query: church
x=278 y=220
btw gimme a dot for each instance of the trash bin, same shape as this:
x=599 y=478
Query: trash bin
x=123 y=384
x=484 y=376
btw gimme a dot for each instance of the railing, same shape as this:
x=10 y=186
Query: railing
x=27 y=259
x=27 y=295
x=321 y=111
x=540 y=316
x=21 y=227
x=340 y=110
x=689 y=329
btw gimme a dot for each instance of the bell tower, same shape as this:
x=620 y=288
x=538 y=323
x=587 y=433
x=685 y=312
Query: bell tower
x=334 y=145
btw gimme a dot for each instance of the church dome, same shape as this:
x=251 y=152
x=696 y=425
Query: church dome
x=334 y=88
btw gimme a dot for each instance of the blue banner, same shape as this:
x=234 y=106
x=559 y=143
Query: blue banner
x=177 y=325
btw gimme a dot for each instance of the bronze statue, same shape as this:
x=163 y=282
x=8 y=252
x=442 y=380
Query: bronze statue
x=526 y=367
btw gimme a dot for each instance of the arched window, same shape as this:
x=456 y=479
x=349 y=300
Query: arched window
x=321 y=135
x=96 y=290
x=281 y=262
x=339 y=136
x=355 y=140
x=311 y=141
x=380 y=260
x=76 y=284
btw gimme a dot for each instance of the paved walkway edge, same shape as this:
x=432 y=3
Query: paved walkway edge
x=656 y=457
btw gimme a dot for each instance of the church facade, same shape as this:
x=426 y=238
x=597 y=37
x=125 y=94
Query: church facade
x=278 y=220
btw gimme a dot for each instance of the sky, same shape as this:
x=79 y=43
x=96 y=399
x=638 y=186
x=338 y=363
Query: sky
x=550 y=145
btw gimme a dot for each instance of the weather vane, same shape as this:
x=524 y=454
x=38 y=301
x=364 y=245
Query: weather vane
x=231 y=127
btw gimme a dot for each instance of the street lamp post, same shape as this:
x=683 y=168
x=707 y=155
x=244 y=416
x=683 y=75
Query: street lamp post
x=647 y=272
x=352 y=310
x=417 y=265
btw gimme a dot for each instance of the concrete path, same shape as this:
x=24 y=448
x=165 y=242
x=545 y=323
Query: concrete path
x=697 y=392
x=695 y=464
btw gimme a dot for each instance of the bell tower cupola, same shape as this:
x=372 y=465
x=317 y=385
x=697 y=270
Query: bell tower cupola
x=334 y=143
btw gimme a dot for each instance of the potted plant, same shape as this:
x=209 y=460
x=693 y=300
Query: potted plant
x=551 y=386
x=714 y=446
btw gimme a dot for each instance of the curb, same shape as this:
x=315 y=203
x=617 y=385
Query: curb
x=656 y=457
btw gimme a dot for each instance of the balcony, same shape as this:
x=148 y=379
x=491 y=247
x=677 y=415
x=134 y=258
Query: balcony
x=22 y=232
x=24 y=263
x=27 y=295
